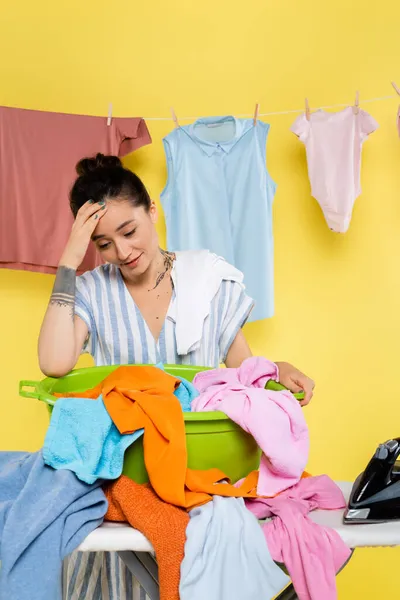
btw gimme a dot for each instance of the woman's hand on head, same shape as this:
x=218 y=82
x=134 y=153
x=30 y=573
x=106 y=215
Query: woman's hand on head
x=85 y=223
x=295 y=381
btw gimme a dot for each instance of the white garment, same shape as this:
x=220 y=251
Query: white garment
x=197 y=276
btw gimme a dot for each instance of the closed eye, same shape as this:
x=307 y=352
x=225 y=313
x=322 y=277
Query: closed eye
x=128 y=234
x=104 y=246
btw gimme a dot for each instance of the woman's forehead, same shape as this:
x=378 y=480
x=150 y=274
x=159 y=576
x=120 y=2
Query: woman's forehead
x=119 y=214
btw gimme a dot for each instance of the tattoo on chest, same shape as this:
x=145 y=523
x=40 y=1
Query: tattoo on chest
x=63 y=294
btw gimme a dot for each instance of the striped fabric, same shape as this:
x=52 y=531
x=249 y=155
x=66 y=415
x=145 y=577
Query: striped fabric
x=118 y=334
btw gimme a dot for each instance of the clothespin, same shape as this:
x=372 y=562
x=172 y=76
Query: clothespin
x=174 y=118
x=308 y=112
x=109 y=118
x=256 y=114
x=356 y=106
x=397 y=90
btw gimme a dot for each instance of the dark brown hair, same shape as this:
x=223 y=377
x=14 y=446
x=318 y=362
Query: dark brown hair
x=104 y=177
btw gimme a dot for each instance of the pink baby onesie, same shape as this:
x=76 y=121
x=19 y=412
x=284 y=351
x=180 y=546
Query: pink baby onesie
x=333 y=144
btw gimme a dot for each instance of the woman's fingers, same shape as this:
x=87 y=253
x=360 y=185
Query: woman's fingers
x=88 y=210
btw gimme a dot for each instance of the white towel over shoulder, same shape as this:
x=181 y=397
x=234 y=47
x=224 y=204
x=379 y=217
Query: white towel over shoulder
x=197 y=276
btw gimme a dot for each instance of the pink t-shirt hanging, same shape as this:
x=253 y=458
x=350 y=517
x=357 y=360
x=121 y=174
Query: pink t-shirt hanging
x=38 y=154
x=333 y=144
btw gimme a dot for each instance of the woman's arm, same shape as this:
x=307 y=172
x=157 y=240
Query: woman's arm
x=238 y=351
x=62 y=334
x=289 y=376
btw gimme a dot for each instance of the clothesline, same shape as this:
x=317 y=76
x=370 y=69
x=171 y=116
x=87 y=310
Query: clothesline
x=283 y=112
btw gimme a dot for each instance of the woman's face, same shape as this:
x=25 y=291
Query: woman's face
x=126 y=236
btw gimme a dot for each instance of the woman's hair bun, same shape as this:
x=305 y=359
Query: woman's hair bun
x=100 y=161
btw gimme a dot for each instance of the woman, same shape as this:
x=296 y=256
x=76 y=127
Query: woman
x=126 y=312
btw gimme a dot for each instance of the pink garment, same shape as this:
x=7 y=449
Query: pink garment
x=274 y=419
x=312 y=554
x=38 y=154
x=333 y=146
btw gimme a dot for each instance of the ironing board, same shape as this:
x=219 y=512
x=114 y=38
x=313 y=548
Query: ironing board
x=138 y=554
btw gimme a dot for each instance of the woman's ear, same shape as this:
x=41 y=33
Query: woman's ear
x=153 y=213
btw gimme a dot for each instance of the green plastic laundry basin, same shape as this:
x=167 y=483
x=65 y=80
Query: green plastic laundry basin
x=212 y=439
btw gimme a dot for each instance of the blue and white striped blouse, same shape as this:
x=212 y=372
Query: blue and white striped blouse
x=118 y=334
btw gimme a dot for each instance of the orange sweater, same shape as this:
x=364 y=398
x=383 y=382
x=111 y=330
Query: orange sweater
x=143 y=397
x=162 y=524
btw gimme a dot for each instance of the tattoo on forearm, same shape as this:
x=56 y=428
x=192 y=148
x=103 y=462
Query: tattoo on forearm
x=64 y=289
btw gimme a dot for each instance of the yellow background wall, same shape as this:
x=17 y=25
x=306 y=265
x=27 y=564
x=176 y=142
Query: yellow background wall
x=337 y=297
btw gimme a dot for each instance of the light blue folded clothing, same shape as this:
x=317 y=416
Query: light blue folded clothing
x=226 y=555
x=82 y=438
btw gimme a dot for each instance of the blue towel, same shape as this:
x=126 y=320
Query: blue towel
x=82 y=438
x=185 y=393
x=226 y=555
x=44 y=516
